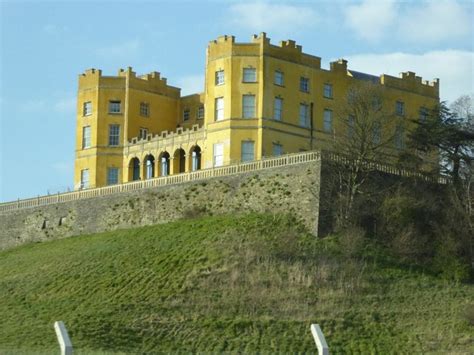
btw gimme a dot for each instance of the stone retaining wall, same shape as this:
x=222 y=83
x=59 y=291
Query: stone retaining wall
x=288 y=189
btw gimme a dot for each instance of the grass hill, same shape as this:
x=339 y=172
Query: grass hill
x=251 y=283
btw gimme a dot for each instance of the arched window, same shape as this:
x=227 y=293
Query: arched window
x=165 y=164
x=134 y=166
x=179 y=161
x=195 y=158
x=149 y=166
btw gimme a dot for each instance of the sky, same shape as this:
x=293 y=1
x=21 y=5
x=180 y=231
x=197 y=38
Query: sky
x=45 y=45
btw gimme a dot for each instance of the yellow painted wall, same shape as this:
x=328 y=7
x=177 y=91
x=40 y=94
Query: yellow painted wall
x=167 y=106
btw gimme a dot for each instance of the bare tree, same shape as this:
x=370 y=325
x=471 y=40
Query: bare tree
x=367 y=130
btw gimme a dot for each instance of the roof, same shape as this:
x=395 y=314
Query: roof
x=364 y=76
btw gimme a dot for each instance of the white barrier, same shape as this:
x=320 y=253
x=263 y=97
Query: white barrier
x=319 y=339
x=63 y=338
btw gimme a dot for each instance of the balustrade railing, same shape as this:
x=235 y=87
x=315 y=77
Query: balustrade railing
x=267 y=163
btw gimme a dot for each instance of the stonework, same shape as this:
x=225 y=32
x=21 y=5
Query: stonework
x=259 y=100
x=290 y=189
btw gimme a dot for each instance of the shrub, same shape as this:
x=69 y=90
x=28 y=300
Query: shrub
x=353 y=242
x=447 y=262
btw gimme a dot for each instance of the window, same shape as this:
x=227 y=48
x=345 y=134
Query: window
x=84 y=178
x=377 y=133
x=86 y=137
x=87 y=108
x=114 y=107
x=327 y=91
x=196 y=159
x=186 y=114
x=165 y=165
x=219 y=114
x=143 y=133
x=112 y=176
x=114 y=135
x=248 y=106
x=220 y=77
x=144 y=109
x=278 y=78
x=150 y=167
x=350 y=126
x=423 y=114
x=277 y=149
x=200 y=112
x=399 y=138
x=400 y=108
x=248 y=151
x=278 y=108
x=250 y=75
x=304 y=84
x=327 y=121
x=218 y=154
x=304 y=115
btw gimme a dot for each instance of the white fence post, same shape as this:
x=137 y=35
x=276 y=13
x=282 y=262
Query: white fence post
x=63 y=338
x=319 y=339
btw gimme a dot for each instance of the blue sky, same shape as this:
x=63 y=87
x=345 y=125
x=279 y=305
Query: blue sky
x=45 y=45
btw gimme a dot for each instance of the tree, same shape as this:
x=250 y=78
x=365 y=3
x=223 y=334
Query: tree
x=450 y=135
x=449 y=131
x=366 y=134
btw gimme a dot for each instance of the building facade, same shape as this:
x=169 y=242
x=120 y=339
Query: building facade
x=259 y=100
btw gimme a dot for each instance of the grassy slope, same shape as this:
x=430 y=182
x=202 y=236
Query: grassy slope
x=252 y=283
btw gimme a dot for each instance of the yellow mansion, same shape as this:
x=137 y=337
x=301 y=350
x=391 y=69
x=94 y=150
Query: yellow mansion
x=259 y=100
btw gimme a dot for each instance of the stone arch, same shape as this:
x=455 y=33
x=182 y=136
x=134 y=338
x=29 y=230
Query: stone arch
x=134 y=169
x=149 y=167
x=179 y=161
x=164 y=164
x=195 y=154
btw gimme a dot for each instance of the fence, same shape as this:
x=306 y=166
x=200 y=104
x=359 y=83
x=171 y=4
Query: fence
x=268 y=163
x=385 y=168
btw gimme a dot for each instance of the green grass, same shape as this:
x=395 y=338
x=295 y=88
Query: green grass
x=242 y=284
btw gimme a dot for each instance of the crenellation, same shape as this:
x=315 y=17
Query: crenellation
x=129 y=73
x=240 y=83
x=92 y=72
x=261 y=38
x=339 y=65
x=224 y=39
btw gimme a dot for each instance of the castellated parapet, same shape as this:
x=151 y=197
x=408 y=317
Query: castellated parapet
x=258 y=99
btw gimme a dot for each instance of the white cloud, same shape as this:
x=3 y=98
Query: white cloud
x=436 y=21
x=370 y=19
x=419 y=22
x=278 y=18
x=454 y=68
x=191 y=84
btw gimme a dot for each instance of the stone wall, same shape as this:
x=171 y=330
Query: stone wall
x=289 y=189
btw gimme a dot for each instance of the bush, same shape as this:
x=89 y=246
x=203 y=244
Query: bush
x=353 y=242
x=447 y=262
